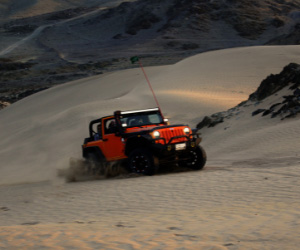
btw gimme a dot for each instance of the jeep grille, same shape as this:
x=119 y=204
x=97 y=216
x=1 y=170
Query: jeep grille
x=172 y=132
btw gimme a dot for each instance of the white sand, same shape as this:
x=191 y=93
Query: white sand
x=246 y=198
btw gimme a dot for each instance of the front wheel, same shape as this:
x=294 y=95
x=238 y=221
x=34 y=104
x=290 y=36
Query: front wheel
x=195 y=159
x=142 y=161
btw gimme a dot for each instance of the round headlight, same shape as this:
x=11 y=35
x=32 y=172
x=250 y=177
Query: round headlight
x=156 y=134
x=186 y=131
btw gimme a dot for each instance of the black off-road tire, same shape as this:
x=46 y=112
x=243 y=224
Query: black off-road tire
x=95 y=165
x=196 y=159
x=142 y=161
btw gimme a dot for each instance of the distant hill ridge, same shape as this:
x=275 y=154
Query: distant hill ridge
x=78 y=36
x=249 y=18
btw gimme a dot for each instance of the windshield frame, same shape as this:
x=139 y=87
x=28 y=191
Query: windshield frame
x=141 y=119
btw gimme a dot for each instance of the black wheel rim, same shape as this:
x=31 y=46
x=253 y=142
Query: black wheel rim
x=140 y=163
x=193 y=158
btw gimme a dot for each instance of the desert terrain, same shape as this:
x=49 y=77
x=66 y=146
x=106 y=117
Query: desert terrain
x=45 y=42
x=246 y=197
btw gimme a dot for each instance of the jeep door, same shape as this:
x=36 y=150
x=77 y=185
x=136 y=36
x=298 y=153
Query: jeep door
x=113 y=147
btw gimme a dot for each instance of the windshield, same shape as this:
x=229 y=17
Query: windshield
x=141 y=119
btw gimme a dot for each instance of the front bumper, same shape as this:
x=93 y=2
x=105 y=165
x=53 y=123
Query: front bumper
x=170 y=148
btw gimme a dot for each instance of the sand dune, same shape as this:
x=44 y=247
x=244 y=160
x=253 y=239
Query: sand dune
x=246 y=198
x=65 y=45
x=61 y=117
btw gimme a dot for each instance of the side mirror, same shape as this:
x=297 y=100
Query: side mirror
x=195 y=130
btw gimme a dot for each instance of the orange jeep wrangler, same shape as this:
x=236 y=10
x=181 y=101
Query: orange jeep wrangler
x=145 y=140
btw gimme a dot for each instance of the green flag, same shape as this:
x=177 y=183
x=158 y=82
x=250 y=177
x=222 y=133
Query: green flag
x=134 y=59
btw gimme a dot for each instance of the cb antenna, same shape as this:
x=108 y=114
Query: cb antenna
x=135 y=59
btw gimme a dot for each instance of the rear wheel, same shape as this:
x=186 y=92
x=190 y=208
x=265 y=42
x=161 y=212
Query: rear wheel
x=92 y=157
x=142 y=161
x=94 y=164
x=195 y=159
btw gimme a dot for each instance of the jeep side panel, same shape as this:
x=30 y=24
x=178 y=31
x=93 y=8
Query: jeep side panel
x=103 y=140
x=111 y=145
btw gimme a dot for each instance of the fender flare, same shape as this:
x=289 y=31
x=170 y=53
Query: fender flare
x=135 y=142
x=95 y=150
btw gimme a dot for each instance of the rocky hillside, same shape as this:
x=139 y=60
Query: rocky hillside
x=288 y=106
x=178 y=26
x=14 y=9
x=61 y=44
